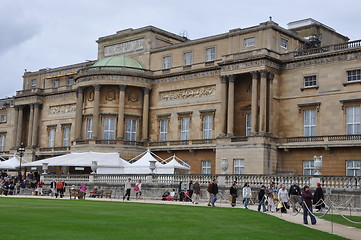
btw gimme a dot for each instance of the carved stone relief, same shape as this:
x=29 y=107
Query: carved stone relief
x=61 y=109
x=124 y=47
x=188 y=93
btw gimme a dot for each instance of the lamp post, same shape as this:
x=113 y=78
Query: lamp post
x=21 y=151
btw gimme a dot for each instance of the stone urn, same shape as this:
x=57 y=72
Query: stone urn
x=224 y=165
x=45 y=167
x=152 y=165
x=94 y=167
x=317 y=163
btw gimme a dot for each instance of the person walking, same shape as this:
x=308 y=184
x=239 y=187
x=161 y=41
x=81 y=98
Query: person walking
x=59 y=189
x=196 y=192
x=53 y=187
x=270 y=192
x=233 y=191
x=138 y=189
x=307 y=205
x=190 y=190
x=295 y=195
x=262 y=198
x=247 y=193
x=209 y=195
x=22 y=187
x=127 y=187
x=283 y=198
x=40 y=188
x=318 y=198
x=214 y=191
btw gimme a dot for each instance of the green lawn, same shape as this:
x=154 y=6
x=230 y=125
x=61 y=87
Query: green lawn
x=339 y=219
x=24 y=218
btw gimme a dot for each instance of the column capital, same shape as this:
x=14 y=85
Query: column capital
x=230 y=78
x=146 y=90
x=254 y=74
x=264 y=73
x=271 y=76
x=96 y=87
x=122 y=87
x=20 y=107
x=224 y=79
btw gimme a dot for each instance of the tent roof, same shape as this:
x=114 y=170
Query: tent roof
x=144 y=161
x=83 y=159
x=175 y=164
x=11 y=163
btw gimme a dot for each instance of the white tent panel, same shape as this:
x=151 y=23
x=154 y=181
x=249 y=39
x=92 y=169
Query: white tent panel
x=11 y=163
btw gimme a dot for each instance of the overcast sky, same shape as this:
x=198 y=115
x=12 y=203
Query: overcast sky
x=50 y=33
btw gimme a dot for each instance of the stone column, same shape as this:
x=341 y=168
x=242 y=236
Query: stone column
x=223 y=112
x=31 y=122
x=79 y=113
x=230 y=115
x=254 y=103
x=15 y=127
x=269 y=119
x=145 y=115
x=120 y=132
x=96 y=111
x=19 y=131
x=263 y=102
x=35 y=134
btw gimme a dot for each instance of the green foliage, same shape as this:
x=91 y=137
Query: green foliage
x=76 y=219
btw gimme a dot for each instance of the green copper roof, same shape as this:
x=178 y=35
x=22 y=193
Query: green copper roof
x=118 y=61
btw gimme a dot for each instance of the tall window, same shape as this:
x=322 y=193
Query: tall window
x=131 y=130
x=249 y=42
x=206 y=167
x=70 y=81
x=66 y=135
x=238 y=166
x=109 y=124
x=163 y=134
x=33 y=83
x=56 y=83
x=308 y=168
x=248 y=124
x=310 y=81
x=210 y=54
x=89 y=128
x=2 y=143
x=353 y=168
x=284 y=43
x=309 y=123
x=353 y=120
x=185 y=128
x=3 y=118
x=187 y=58
x=354 y=75
x=51 y=137
x=207 y=126
x=167 y=62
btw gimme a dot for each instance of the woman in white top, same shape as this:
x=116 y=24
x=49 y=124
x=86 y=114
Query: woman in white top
x=283 y=198
x=247 y=193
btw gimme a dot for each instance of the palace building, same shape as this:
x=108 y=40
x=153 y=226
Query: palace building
x=262 y=99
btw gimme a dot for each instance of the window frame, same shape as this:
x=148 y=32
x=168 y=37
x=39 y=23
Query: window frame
x=130 y=134
x=248 y=124
x=32 y=81
x=249 y=42
x=70 y=81
x=2 y=142
x=356 y=123
x=109 y=128
x=206 y=167
x=167 y=62
x=239 y=167
x=184 y=131
x=309 y=79
x=56 y=82
x=51 y=137
x=309 y=130
x=66 y=136
x=89 y=128
x=355 y=73
x=356 y=170
x=284 y=40
x=163 y=129
x=308 y=170
x=3 y=118
x=207 y=131
x=210 y=54
x=185 y=62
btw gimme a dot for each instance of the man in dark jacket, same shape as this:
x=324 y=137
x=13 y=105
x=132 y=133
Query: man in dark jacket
x=307 y=205
x=214 y=191
x=261 y=198
x=294 y=194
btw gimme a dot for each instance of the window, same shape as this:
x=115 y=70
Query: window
x=163 y=134
x=51 y=137
x=310 y=81
x=167 y=62
x=353 y=120
x=309 y=123
x=185 y=128
x=248 y=124
x=33 y=83
x=207 y=126
x=109 y=133
x=238 y=166
x=2 y=143
x=66 y=133
x=210 y=54
x=308 y=168
x=187 y=58
x=353 y=168
x=249 y=42
x=3 y=118
x=70 y=81
x=354 y=75
x=206 y=167
x=131 y=130
x=89 y=128
x=56 y=82
x=284 y=43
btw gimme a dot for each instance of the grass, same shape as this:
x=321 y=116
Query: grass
x=24 y=218
x=340 y=220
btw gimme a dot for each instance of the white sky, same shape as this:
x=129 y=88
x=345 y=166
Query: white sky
x=50 y=33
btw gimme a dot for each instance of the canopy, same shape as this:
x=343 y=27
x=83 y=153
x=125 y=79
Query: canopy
x=82 y=160
x=11 y=163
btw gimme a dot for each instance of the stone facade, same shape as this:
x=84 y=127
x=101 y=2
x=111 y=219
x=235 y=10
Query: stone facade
x=241 y=96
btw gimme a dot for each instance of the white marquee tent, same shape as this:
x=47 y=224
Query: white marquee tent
x=11 y=163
